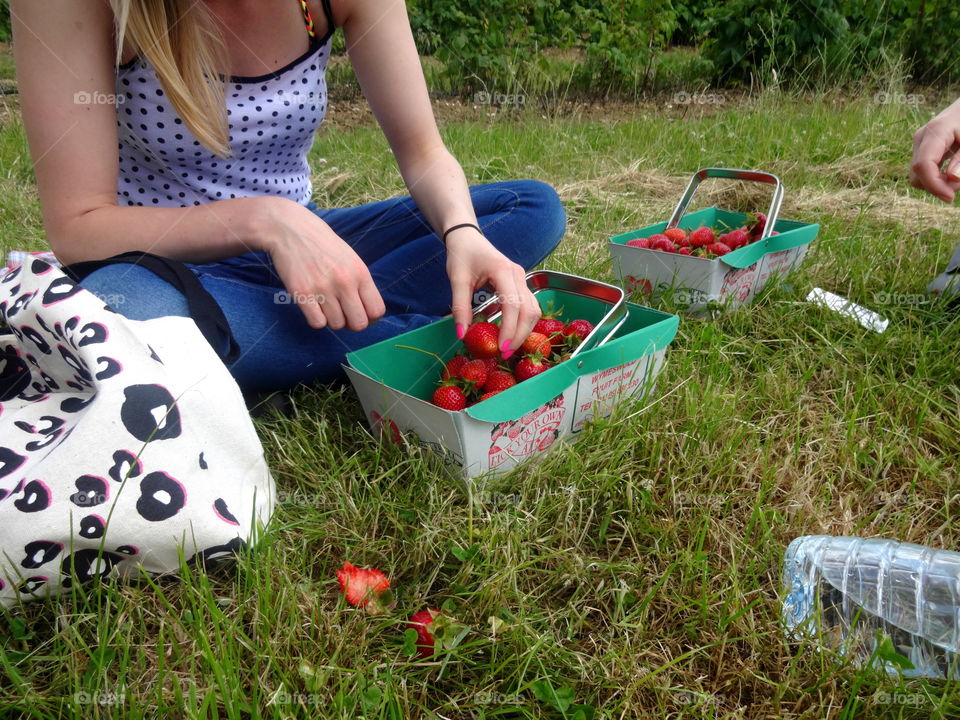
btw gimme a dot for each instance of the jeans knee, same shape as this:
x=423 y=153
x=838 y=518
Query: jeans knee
x=135 y=292
x=545 y=203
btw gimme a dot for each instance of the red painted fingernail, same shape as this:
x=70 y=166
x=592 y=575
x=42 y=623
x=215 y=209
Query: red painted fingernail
x=505 y=348
x=507 y=354
x=460 y=331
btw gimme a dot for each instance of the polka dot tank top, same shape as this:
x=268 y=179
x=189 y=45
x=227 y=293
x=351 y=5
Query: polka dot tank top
x=272 y=120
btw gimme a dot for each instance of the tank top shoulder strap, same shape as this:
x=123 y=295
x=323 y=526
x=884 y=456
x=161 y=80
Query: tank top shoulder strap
x=308 y=18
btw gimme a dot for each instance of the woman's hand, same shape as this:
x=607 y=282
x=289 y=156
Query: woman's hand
x=933 y=144
x=472 y=262
x=324 y=276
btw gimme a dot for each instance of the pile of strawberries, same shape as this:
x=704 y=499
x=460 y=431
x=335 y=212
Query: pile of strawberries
x=482 y=371
x=705 y=242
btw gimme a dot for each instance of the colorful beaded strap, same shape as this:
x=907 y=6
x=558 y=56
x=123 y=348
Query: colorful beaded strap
x=307 y=18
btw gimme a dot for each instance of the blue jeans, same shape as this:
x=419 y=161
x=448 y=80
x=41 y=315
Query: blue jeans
x=278 y=349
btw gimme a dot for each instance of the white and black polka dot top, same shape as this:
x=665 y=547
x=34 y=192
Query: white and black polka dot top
x=272 y=120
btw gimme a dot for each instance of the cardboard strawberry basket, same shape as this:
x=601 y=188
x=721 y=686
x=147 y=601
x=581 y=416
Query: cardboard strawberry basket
x=494 y=436
x=733 y=279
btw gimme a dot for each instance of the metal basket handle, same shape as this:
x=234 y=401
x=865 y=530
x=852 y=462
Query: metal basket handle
x=732 y=174
x=550 y=279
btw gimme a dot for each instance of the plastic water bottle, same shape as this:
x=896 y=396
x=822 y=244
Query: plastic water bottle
x=855 y=591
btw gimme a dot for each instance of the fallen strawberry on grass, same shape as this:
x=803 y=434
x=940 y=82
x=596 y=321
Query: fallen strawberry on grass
x=432 y=631
x=366 y=588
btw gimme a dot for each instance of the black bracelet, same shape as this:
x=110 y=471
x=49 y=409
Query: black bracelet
x=457 y=227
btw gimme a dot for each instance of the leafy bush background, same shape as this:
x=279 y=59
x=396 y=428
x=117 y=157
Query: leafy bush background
x=627 y=47
x=624 y=42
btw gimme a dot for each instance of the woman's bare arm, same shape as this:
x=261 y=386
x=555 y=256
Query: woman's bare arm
x=382 y=51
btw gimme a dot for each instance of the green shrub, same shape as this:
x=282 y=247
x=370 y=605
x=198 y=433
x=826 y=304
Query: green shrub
x=5 y=29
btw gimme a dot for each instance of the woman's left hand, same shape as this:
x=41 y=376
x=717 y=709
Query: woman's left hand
x=472 y=263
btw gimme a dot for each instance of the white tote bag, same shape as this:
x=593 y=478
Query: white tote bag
x=123 y=444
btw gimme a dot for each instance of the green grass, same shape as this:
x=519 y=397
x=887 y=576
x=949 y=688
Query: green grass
x=637 y=571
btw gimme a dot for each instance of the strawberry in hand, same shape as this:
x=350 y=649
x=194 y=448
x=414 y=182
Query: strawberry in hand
x=482 y=340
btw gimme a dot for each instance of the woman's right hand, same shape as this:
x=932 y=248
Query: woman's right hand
x=933 y=144
x=323 y=275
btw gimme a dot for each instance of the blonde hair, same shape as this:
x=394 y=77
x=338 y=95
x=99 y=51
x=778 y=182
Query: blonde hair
x=181 y=40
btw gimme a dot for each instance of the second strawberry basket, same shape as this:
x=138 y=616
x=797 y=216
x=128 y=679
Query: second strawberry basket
x=705 y=271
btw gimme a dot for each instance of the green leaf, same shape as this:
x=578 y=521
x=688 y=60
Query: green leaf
x=371 y=699
x=584 y=712
x=886 y=652
x=409 y=642
x=558 y=699
x=19 y=629
x=465 y=555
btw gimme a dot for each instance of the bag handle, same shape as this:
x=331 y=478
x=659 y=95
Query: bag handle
x=204 y=309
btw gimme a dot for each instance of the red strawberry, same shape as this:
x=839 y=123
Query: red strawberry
x=735 y=238
x=536 y=343
x=639 y=242
x=499 y=380
x=421 y=622
x=702 y=236
x=551 y=327
x=453 y=366
x=685 y=251
x=490 y=394
x=449 y=397
x=475 y=372
x=363 y=586
x=659 y=237
x=759 y=221
x=665 y=244
x=482 y=340
x=580 y=328
x=683 y=242
x=718 y=249
x=676 y=234
x=529 y=367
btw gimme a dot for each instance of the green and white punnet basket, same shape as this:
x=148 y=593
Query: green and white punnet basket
x=617 y=362
x=733 y=279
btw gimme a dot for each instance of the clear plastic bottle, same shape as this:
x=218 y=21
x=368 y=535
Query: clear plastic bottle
x=846 y=590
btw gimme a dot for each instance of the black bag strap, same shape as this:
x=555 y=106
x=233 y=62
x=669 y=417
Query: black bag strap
x=204 y=309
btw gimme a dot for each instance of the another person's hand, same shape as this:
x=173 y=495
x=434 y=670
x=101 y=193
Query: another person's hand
x=323 y=275
x=935 y=143
x=473 y=262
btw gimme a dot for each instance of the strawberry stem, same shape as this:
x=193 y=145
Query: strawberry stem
x=425 y=352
